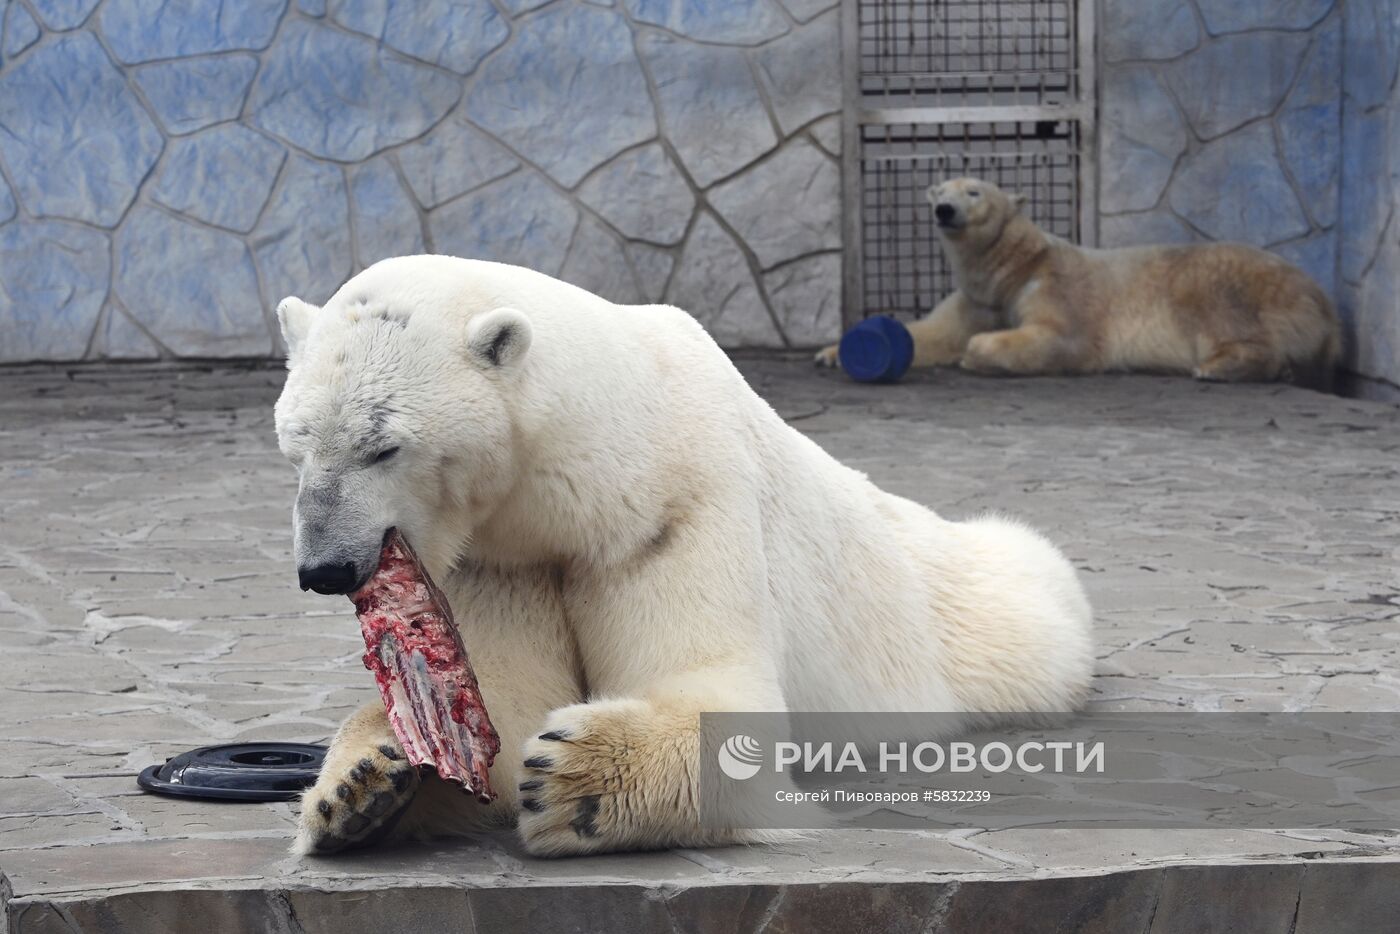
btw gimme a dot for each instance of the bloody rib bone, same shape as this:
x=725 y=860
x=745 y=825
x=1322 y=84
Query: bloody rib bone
x=429 y=689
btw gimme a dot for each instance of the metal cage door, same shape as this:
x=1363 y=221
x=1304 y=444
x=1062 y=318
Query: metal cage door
x=999 y=89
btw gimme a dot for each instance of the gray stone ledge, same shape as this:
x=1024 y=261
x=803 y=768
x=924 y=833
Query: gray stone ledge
x=1199 y=515
x=1295 y=895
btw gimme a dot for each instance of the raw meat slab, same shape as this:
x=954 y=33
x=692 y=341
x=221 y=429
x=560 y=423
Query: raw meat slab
x=416 y=653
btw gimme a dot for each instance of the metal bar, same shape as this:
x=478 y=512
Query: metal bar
x=1006 y=73
x=852 y=189
x=1026 y=113
x=1088 y=142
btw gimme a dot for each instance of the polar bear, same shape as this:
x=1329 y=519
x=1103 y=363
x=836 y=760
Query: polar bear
x=630 y=537
x=1028 y=302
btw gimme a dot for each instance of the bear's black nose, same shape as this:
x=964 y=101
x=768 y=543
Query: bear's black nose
x=328 y=578
x=944 y=213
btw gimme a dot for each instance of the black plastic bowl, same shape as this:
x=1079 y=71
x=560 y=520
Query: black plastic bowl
x=237 y=772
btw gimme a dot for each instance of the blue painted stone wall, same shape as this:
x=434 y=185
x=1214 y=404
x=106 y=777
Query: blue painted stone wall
x=169 y=169
x=1272 y=122
x=1368 y=268
x=1221 y=120
x=167 y=175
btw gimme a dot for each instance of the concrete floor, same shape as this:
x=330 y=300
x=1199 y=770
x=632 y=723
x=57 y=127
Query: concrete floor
x=1239 y=544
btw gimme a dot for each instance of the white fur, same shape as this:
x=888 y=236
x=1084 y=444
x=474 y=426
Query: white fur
x=631 y=536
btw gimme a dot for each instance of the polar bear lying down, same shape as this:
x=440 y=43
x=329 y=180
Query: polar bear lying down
x=630 y=536
x=1028 y=302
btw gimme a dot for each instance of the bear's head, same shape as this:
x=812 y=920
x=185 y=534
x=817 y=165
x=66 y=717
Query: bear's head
x=397 y=411
x=971 y=209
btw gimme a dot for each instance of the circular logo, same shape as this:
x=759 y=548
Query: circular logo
x=740 y=757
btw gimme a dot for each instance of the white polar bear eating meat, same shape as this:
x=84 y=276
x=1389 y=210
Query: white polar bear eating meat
x=630 y=537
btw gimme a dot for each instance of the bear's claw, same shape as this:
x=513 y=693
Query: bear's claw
x=572 y=797
x=357 y=799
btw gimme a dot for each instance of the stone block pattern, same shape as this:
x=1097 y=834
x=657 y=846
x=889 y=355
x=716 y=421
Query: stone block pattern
x=170 y=169
x=1369 y=248
x=1221 y=120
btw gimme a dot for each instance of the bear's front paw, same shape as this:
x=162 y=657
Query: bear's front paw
x=588 y=776
x=827 y=356
x=983 y=354
x=357 y=799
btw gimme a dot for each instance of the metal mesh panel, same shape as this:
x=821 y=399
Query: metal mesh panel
x=966 y=52
x=935 y=89
x=904 y=271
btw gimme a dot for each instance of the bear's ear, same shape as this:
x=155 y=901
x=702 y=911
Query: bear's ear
x=295 y=317
x=498 y=338
x=1018 y=200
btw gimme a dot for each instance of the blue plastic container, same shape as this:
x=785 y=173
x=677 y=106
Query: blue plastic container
x=878 y=350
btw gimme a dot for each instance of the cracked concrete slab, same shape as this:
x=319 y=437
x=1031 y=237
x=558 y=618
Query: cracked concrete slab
x=1238 y=543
